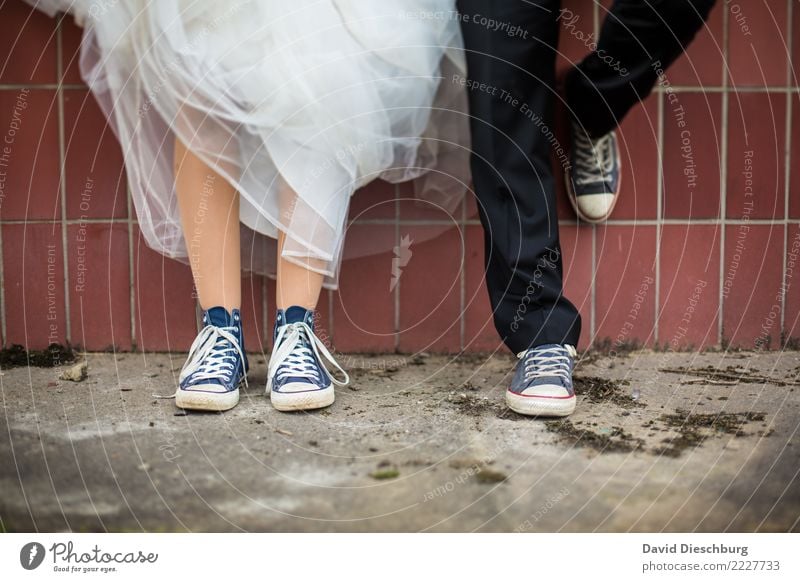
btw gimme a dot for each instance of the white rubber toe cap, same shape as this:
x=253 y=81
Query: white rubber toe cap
x=595 y=206
x=541 y=405
x=293 y=387
x=546 y=391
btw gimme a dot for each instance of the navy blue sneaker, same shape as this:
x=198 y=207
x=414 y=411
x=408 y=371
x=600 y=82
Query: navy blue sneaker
x=594 y=177
x=297 y=378
x=542 y=383
x=216 y=365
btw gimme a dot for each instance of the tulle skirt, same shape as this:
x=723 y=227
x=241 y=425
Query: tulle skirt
x=297 y=104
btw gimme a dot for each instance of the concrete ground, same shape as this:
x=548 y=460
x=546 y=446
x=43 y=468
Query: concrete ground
x=659 y=442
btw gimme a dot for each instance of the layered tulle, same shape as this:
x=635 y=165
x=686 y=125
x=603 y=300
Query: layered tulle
x=313 y=97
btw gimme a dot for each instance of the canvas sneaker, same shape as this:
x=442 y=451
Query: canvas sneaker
x=594 y=177
x=297 y=378
x=542 y=383
x=216 y=365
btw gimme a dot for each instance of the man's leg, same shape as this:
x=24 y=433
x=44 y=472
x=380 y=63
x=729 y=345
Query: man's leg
x=511 y=61
x=639 y=40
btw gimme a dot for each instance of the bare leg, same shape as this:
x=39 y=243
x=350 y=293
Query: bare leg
x=298 y=373
x=209 y=208
x=296 y=285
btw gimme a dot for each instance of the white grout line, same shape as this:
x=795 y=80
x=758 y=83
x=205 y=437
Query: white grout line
x=51 y=86
x=69 y=221
x=131 y=269
x=736 y=89
x=472 y=222
x=593 y=301
x=266 y=336
x=723 y=181
x=659 y=215
x=399 y=279
x=593 y=298
x=786 y=171
x=568 y=222
x=2 y=294
x=62 y=182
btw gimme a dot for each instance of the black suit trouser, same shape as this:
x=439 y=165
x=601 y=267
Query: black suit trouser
x=511 y=66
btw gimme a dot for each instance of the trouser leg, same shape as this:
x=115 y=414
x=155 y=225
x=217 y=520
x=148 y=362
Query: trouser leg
x=511 y=105
x=638 y=39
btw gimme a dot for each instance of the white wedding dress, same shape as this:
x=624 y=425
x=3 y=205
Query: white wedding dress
x=321 y=96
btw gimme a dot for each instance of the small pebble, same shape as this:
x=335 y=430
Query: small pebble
x=76 y=373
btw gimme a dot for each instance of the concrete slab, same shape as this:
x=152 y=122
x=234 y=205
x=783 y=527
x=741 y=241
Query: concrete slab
x=659 y=442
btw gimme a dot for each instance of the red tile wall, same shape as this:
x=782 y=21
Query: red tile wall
x=682 y=264
x=695 y=129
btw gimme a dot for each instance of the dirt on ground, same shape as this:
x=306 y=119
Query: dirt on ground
x=659 y=442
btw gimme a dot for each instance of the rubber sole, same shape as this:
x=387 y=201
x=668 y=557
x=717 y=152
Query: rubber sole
x=540 y=406
x=574 y=202
x=294 y=401
x=211 y=401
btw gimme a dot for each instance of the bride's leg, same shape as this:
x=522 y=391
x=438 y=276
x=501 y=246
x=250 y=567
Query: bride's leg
x=295 y=284
x=297 y=377
x=209 y=208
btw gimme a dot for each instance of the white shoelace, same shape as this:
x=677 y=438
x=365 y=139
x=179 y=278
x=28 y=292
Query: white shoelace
x=209 y=358
x=594 y=159
x=542 y=365
x=296 y=347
